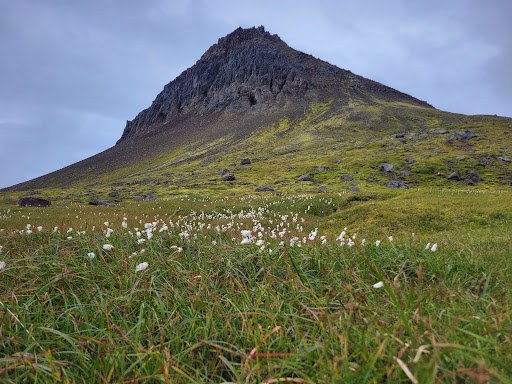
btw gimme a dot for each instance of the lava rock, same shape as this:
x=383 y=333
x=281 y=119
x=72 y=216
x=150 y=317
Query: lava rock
x=454 y=176
x=228 y=177
x=246 y=162
x=386 y=167
x=103 y=202
x=397 y=184
x=33 y=202
x=461 y=136
x=305 y=177
x=473 y=178
x=346 y=177
x=265 y=188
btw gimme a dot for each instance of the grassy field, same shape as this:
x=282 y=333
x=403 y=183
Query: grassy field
x=383 y=286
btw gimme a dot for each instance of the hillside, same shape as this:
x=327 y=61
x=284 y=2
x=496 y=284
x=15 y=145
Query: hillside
x=251 y=96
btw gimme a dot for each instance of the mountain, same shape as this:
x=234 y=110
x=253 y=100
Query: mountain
x=250 y=96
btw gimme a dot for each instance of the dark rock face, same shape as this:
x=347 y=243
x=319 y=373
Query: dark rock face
x=33 y=202
x=245 y=162
x=249 y=71
x=265 y=188
x=398 y=184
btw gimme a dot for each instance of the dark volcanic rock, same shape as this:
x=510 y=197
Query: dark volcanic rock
x=223 y=171
x=306 y=177
x=347 y=177
x=473 y=178
x=265 y=188
x=114 y=194
x=461 y=136
x=398 y=184
x=228 y=177
x=386 y=167
x=246 y=162
x=454 y=176
x=99 y=202
x=33 y=202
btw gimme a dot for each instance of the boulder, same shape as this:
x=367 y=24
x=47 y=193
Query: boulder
x=386 y=167
x=409 y=160
x=442 y=131
x=454 y=176
x=400 y=135
x=461 y=157
x=346 y=177
x=228 y=177
x=397 y=184
x=114 y=194
x=246 y=162
x=98 y=202
x=265 y=188
x=461 y=136
x=223 y=171
x=305 y=177
x=322 y=190
x=194 y=173
x=473 y=178
x=33 y=202
x=322 y=168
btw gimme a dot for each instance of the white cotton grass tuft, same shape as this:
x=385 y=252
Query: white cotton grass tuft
x=377 y=243
x=377 y=285
x=2 y=265
x=108 y=247
x=141 y=266
x=434 y=247
x=91 y=255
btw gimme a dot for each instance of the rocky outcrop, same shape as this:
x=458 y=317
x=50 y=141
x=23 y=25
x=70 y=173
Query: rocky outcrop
x=33 y=202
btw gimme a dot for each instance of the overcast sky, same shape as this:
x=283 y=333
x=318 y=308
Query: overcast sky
x=73 y=72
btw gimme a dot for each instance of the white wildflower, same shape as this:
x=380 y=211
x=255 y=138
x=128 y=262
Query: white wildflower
x=141 y=241
x=91 y=255
x=427 y=246
x=69 y=238
x=390 y=238
x=124 y=224
x=108 y=247
x=39 y=229
x=106 y=223
x=434 y=247
x=380 y=284
x=377 y=243
x=2 y=265
x=141 y=266
x=109 y=232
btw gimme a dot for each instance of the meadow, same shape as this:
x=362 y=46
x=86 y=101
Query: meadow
x=389 y=286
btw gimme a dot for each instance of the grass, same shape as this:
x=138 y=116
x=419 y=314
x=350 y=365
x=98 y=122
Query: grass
x=208 y=309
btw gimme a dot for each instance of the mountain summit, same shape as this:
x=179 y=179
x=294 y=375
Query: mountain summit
x=252 y=71
x=292 y=119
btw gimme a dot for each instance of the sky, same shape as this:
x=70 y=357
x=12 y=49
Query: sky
x=73 y=72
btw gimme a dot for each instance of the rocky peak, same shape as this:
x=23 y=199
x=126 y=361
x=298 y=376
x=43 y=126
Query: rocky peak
x=238 y=38
x=250 y=72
